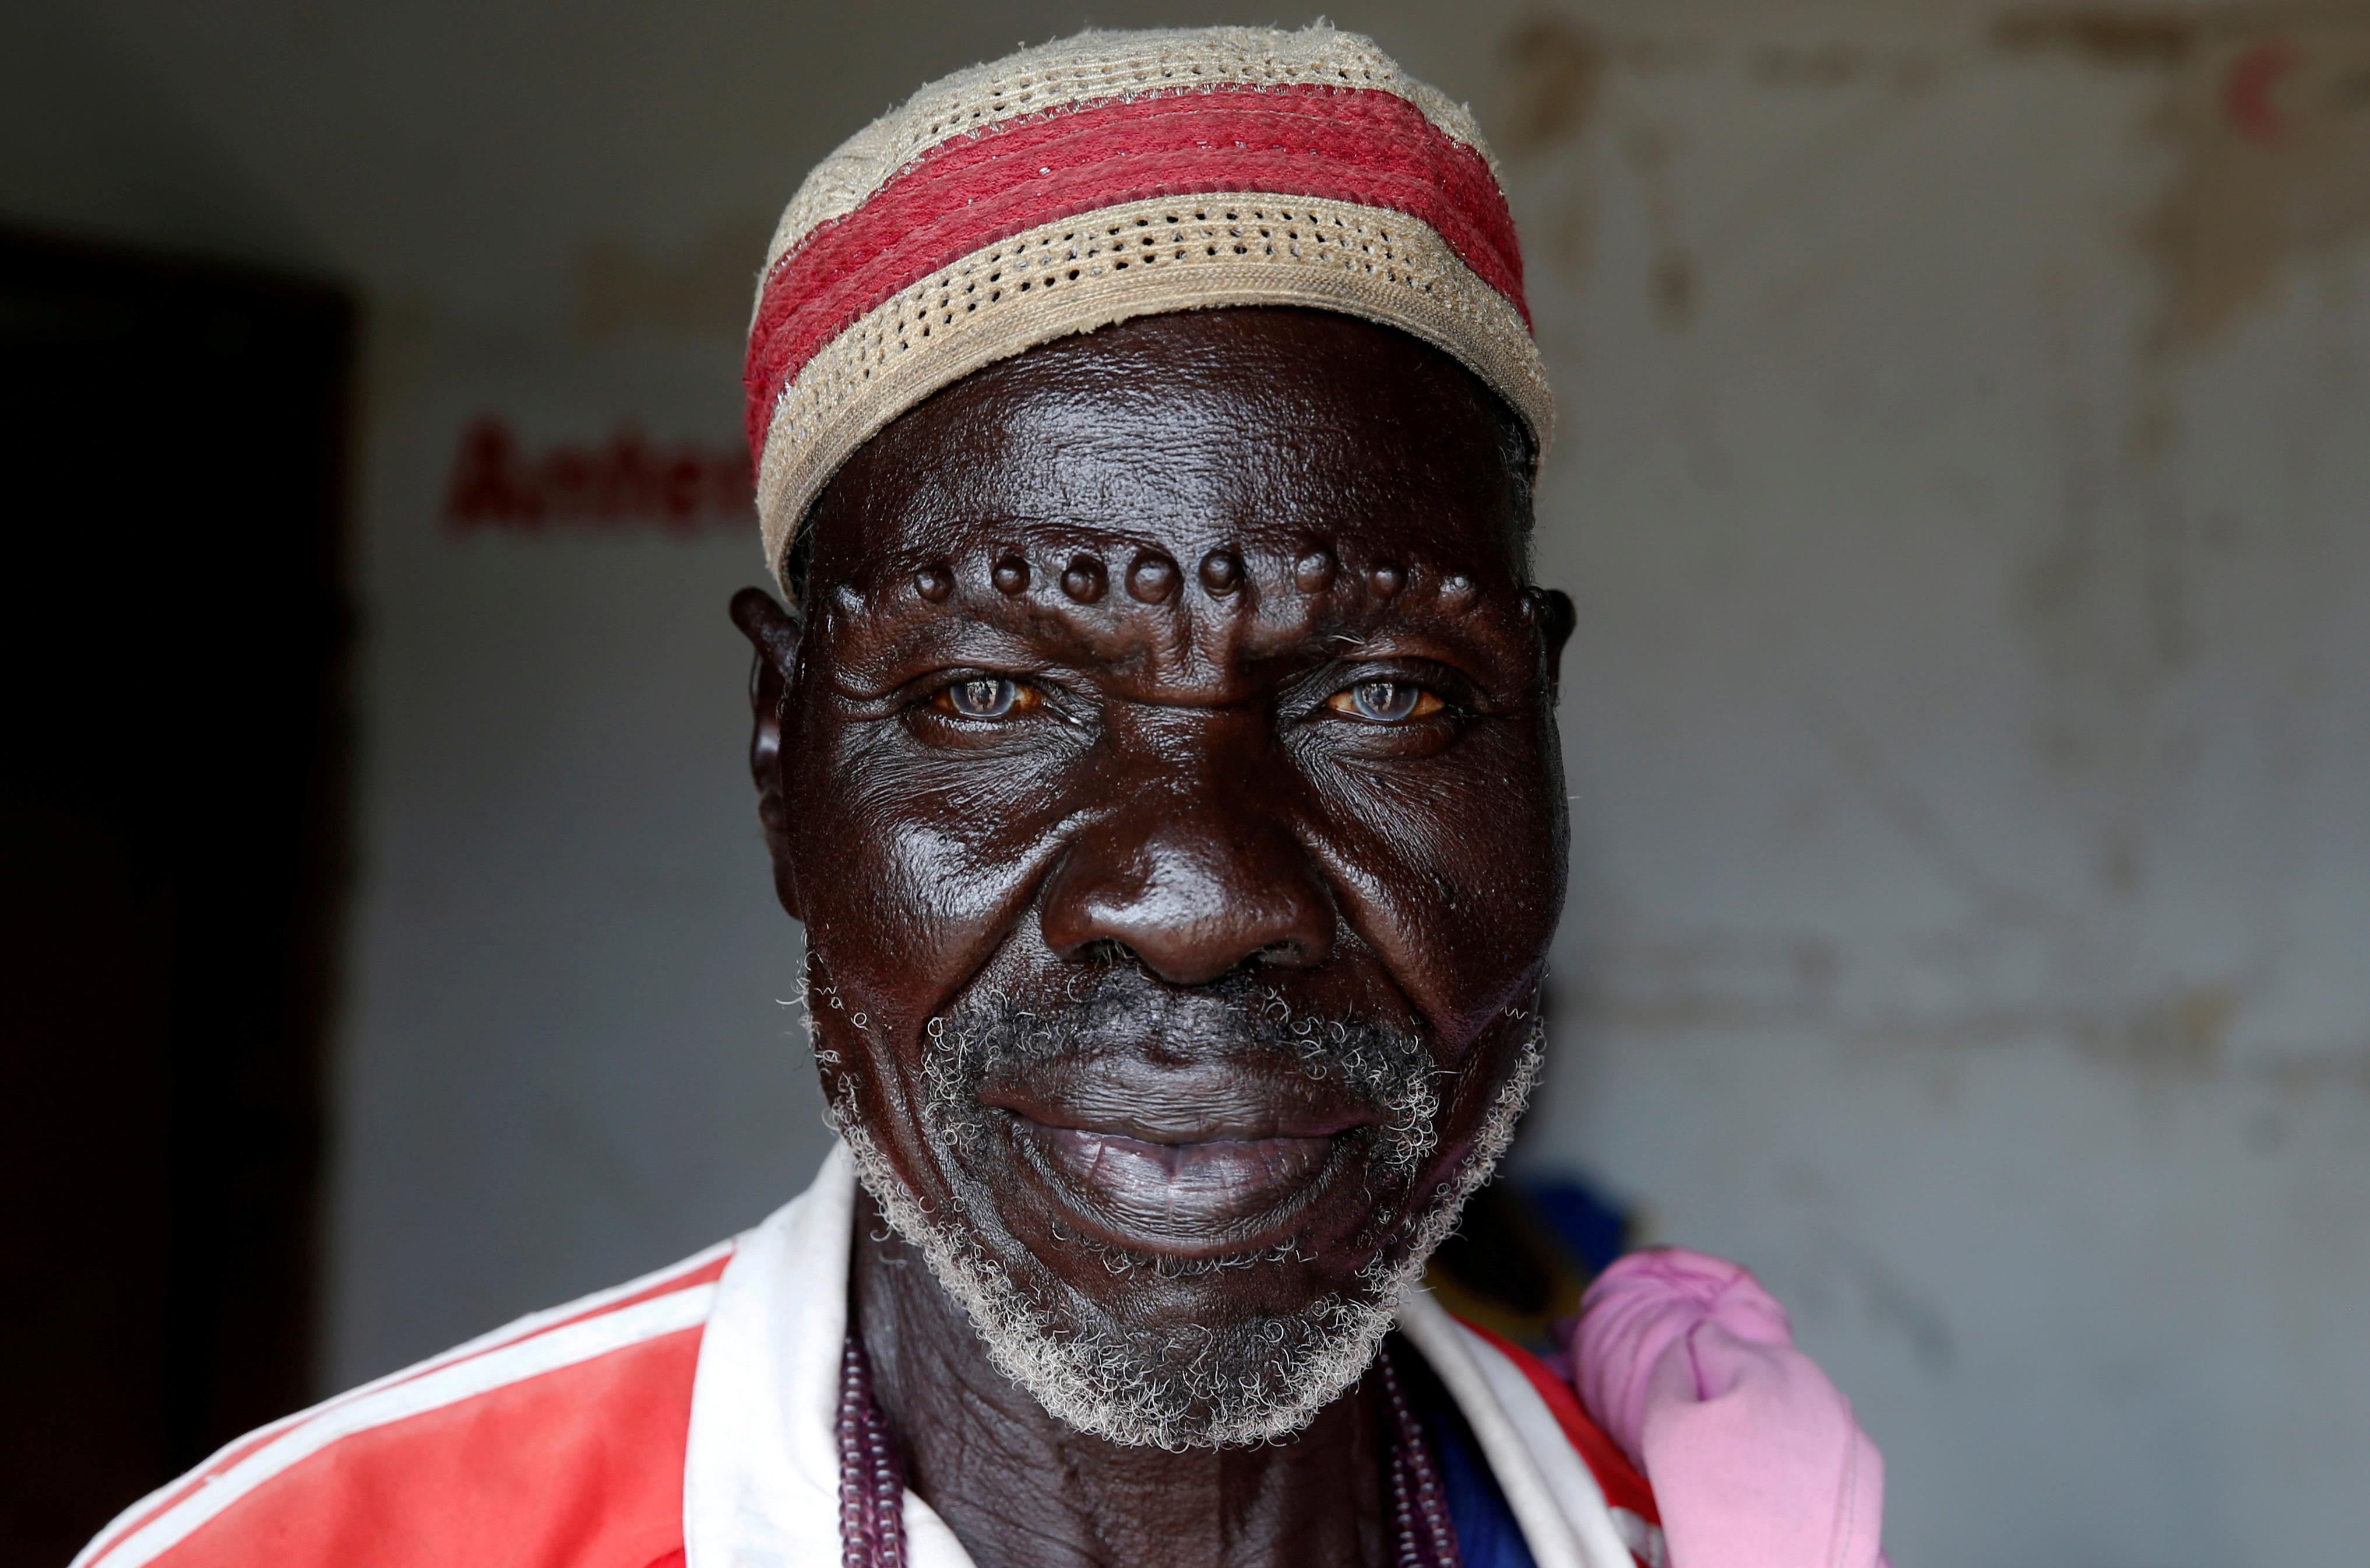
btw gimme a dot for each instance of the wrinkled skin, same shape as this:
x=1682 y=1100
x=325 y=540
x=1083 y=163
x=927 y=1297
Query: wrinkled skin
x=1245 y=535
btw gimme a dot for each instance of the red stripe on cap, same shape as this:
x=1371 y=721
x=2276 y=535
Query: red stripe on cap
x=1362 y=146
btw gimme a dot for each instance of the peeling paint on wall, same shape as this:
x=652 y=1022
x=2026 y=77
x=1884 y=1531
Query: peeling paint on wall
x=1561 y=86
x=2268 y=110
x=2274 y=135
x=1555 y=69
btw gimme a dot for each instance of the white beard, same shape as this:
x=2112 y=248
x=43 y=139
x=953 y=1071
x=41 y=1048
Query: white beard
x=1192 y=1387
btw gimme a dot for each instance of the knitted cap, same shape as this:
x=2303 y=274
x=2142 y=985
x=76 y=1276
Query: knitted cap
x=1114 y=174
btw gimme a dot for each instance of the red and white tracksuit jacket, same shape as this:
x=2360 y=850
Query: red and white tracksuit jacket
x=687 y=1421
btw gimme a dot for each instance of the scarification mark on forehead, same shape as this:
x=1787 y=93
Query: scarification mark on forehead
x=1005 y=600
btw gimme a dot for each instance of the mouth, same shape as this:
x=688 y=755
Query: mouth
x=1184 y=1180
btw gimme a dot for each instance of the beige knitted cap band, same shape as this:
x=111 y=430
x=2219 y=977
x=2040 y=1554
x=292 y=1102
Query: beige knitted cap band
x=1115 y=175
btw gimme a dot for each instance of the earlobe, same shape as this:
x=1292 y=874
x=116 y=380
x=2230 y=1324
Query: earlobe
x=1552 y=613
x=773 y=633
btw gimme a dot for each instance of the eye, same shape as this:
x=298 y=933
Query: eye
x=1385 y=702
x=986 y=696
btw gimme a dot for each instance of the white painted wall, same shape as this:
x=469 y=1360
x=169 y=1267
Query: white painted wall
x=1967 y=725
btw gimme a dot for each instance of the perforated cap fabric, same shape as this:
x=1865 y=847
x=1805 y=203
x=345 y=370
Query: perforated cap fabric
x=1113 y=174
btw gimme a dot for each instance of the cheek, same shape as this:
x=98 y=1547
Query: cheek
x=912 y=869
x=1454 y=871
x=1472 y=1093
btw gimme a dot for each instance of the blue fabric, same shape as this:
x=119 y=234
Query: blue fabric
x=1592 y=1225
x=1487 y=1534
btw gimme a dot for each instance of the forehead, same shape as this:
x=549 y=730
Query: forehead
x=1265 y=432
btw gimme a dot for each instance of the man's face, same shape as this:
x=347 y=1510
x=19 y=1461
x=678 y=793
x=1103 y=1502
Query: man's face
x=1166 y=777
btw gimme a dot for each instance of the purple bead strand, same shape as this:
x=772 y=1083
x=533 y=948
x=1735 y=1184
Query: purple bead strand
x=1419 y=1503
x=872 y=1480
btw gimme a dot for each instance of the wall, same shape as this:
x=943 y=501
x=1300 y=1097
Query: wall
x=1965 y=497
x=1970 y=516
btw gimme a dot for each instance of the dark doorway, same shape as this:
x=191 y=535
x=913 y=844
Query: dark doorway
x=171 y=832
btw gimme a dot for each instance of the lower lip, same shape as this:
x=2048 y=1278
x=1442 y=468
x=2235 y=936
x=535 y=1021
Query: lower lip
x=1188 y=1192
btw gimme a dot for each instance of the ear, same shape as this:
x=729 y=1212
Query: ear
x=773 y=631
x=1552 y=613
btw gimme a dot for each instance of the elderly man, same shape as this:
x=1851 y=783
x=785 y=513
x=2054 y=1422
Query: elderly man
x=1155 y=739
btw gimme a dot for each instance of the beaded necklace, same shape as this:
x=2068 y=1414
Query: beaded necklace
x=872 y=1477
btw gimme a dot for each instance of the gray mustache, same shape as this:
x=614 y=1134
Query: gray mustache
x=1384 y=1064
x=1234 y=1019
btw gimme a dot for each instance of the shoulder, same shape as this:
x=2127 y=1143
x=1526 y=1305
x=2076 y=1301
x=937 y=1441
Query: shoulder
x=557 y=1442
x=1624 y=1485
x=1627 y=1495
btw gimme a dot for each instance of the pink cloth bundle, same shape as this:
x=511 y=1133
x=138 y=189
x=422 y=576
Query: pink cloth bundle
x=1753 y=1456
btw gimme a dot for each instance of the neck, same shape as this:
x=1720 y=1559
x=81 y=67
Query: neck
x=1018 y=1487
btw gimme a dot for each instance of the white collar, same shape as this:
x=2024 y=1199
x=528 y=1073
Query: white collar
x=760 y=1470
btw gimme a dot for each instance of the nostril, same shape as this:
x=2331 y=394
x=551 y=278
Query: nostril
x=1107 y=952
x=1188 y=895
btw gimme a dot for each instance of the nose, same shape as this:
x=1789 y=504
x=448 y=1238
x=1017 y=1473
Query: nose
x=1196 y=871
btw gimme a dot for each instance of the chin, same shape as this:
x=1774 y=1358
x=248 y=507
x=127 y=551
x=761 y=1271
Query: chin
x=1199 y=1339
